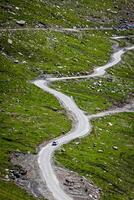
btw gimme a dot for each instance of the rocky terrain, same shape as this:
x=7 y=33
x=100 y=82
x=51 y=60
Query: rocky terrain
x=26 y=174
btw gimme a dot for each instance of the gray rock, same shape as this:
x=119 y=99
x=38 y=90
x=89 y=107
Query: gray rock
x=42 y=25
x=77 y=143
x=10 y=41
x=100 y=151
x=17 y=8
x=115 y=147
x=7 y=177
x=16 y=61
x=21 y=22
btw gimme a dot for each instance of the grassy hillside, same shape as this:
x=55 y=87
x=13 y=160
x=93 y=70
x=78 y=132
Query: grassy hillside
x=9 y=191
x=69 y=13
x=27 y=113
x=95 y=156
x=57 y=53
x=27 y=116
x=96 y=159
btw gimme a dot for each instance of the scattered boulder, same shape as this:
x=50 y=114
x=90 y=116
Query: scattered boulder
x=21 y=22
x=94 y=145
x=62 y=150
x=100 y=151
x=16 y=61
x=7 y=7
x=110 y=124
x=7 y=177
x=24 y=62
x=110 y=79
x=2 y=110
x=10 y=41
x=115 y=147
x=17 y=8
x=78 y=187
x=41 y=25
x=17 y=172
x=68 y=182
x=20 y=53
x=77 y=143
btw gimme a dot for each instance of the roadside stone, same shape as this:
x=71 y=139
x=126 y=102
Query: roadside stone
x=77 y=143
x=62 y=150
x=98 y=109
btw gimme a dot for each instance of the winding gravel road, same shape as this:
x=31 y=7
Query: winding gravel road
x=56 y=29
x=82 y=125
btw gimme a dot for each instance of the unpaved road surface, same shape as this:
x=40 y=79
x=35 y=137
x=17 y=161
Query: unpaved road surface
x=55 y=29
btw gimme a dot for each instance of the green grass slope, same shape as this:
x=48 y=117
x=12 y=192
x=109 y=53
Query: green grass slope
x=95 y=156
x=79 y=13
x=57 y=53
x=27 y=118
x=9 y=191
x=96 y=159
x=27 y=113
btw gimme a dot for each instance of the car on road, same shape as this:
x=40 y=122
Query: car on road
x=54 y=143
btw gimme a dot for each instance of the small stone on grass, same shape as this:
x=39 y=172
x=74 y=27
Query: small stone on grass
x=115 y=147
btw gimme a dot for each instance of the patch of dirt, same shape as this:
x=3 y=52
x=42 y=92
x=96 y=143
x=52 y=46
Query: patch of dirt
x=76 y=186
x=26 y=174
x=31 y=180
x=128 y=103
